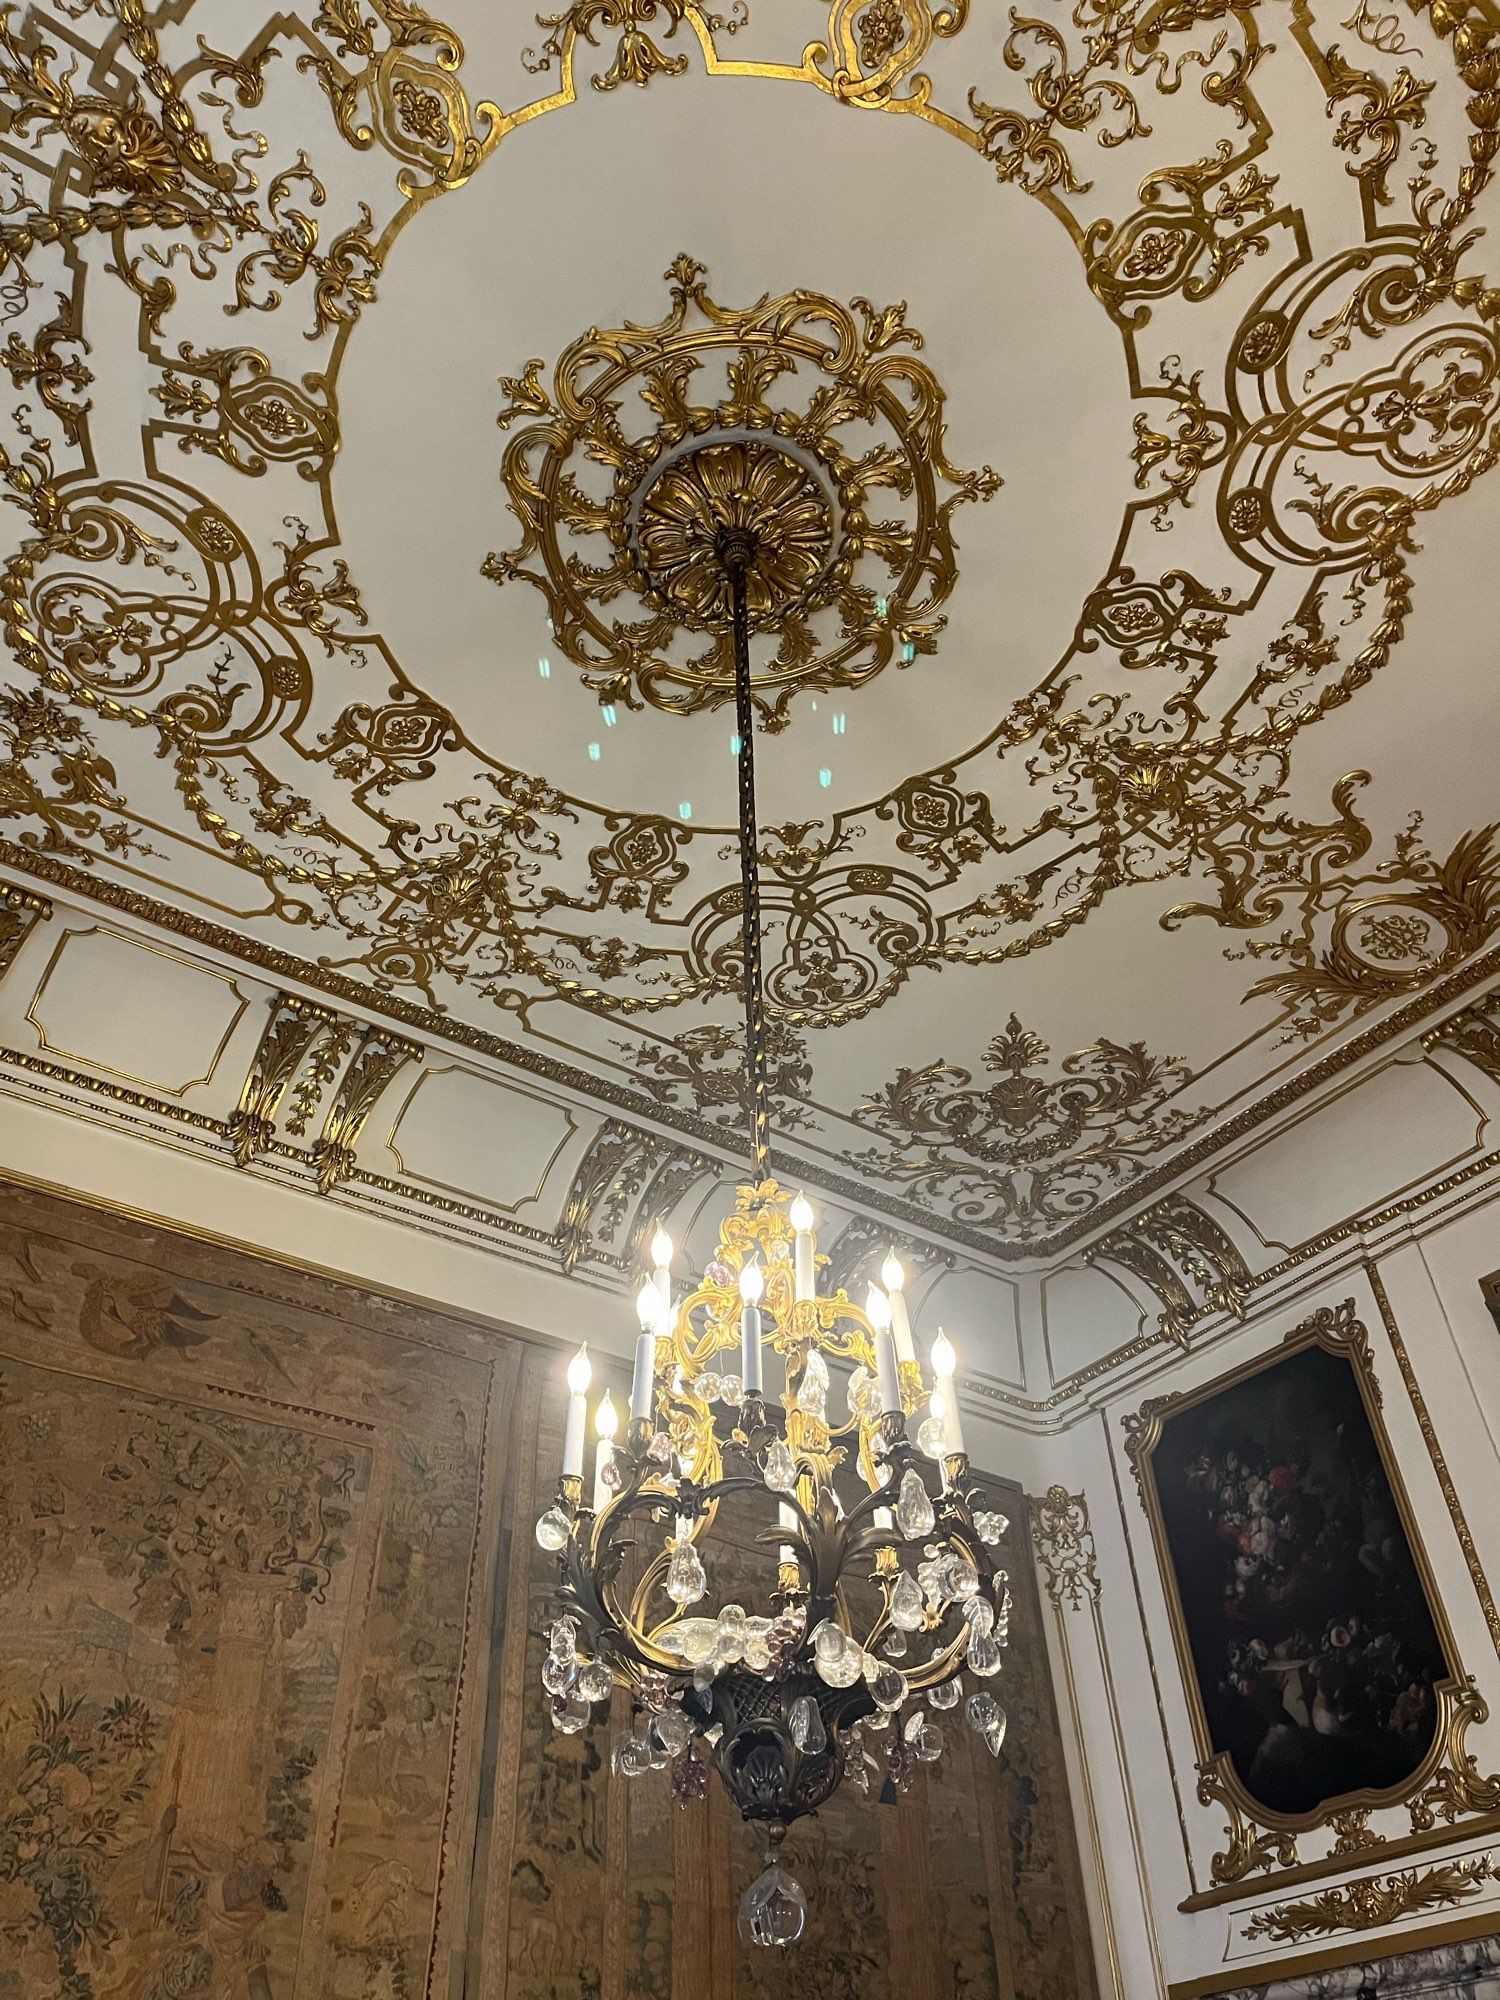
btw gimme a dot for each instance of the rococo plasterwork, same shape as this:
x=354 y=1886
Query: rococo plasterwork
x=201 y=223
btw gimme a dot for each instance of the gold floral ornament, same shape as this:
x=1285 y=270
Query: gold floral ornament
x=1027 y=1150
x=622 y=483
x=873 y=47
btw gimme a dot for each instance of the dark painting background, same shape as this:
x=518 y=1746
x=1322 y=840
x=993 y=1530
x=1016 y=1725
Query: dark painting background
x=1314 y=1647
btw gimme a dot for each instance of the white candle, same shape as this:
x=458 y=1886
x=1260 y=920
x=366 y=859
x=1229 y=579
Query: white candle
x=752 y=1290
x=786 y=1518
x=661 y=1263
x=887 y=1373
x=643 y=1382
x=804 y=1246
x=606 y=1422
x=579 y=1376
x=894 y=1280
x=944 y=1361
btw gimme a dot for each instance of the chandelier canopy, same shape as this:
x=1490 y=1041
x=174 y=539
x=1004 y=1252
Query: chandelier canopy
x=881 y=1593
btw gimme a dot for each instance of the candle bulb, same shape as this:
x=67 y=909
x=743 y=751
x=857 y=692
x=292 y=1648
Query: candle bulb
x=804 y=1246
x=579 y=1376
x=752 y=1290
x=887 y=1372
x=894 y=1279
x=944 y=1362
x=786 y=1520
x=643 y=1384
x=606 y=1423
x=661 y=1271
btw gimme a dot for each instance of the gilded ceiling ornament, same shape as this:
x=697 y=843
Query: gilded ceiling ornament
x=1373 y=1902
x=378 y=1058
x=294 y=1030
x=620 y=1163
x=621 y=481
x=391 y=77
x=705 y=1067
x=1382 y=109
x=1196 y=226
x=55 y=376
x=1173 y=459
x=226 y=401
x=1063 y=1537
x=1026 y=1150
x=873 y=49
x=1362 y=938
x=638 y=56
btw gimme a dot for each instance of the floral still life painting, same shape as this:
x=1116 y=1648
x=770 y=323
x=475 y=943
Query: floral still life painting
x=1309 y=1630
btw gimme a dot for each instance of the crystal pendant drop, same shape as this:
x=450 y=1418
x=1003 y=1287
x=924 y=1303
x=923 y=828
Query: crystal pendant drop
x=947 y=1694
x=781 y=1468
x=990 y=1528
x=839 y=1662
x=673 y=1731
x=553 y=1530
x=894 y=1647
x=812 y=1390
x=686 y=1581
x=983 y=1655
x=888 y=1687
x=914 y=1515
x=907 y=1610
x=980 y=1613
x=596 y=1681
x=986 y=1719
x=559 y=1671
x=571 y=1714
x=773 y=1910
x=805 y=1726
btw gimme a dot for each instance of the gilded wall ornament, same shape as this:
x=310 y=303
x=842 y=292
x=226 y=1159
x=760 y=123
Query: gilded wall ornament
x=621 y=481
x=1187 y=1260
x=1373 y=1902
x=20 y=913
x=1063 y=1538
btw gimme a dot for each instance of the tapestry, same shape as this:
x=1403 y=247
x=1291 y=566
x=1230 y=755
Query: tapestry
x=271 y=1720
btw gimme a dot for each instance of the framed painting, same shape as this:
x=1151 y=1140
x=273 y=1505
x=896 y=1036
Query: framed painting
x=1320 y=1669
x=1490 y=1287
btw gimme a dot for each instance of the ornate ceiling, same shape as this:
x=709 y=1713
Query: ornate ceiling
x=1114 y=389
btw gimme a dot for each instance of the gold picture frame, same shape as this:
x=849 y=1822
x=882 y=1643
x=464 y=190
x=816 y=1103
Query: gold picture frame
x=1445 y=1785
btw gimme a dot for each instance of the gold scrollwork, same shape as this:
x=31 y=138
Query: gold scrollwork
x=1063 y=1538
x=874 y=49
x=378 y=1058
x=1186 y=1259
x=1373 y=1902
x=1022 y=1149
x=841 y=593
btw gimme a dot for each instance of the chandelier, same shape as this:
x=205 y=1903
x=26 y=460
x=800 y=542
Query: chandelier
x=882 y=1607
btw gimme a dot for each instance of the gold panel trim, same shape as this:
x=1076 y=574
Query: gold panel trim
x=1373 y=1902
x=569 y=1133
x=158 y=951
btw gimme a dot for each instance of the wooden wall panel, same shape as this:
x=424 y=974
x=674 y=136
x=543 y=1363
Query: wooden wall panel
x=271 y=1723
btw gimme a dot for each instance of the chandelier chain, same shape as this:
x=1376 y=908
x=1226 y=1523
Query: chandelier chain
x=736 y=552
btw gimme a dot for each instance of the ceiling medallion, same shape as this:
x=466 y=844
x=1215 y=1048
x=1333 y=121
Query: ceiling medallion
x=622 y=483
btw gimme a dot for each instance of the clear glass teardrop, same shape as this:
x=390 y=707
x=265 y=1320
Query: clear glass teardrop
x=907 y=1610
x=686 y=1581
x=914 y=1515
x=805 y=1725
x=781 y=1468
x=812 y=1390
